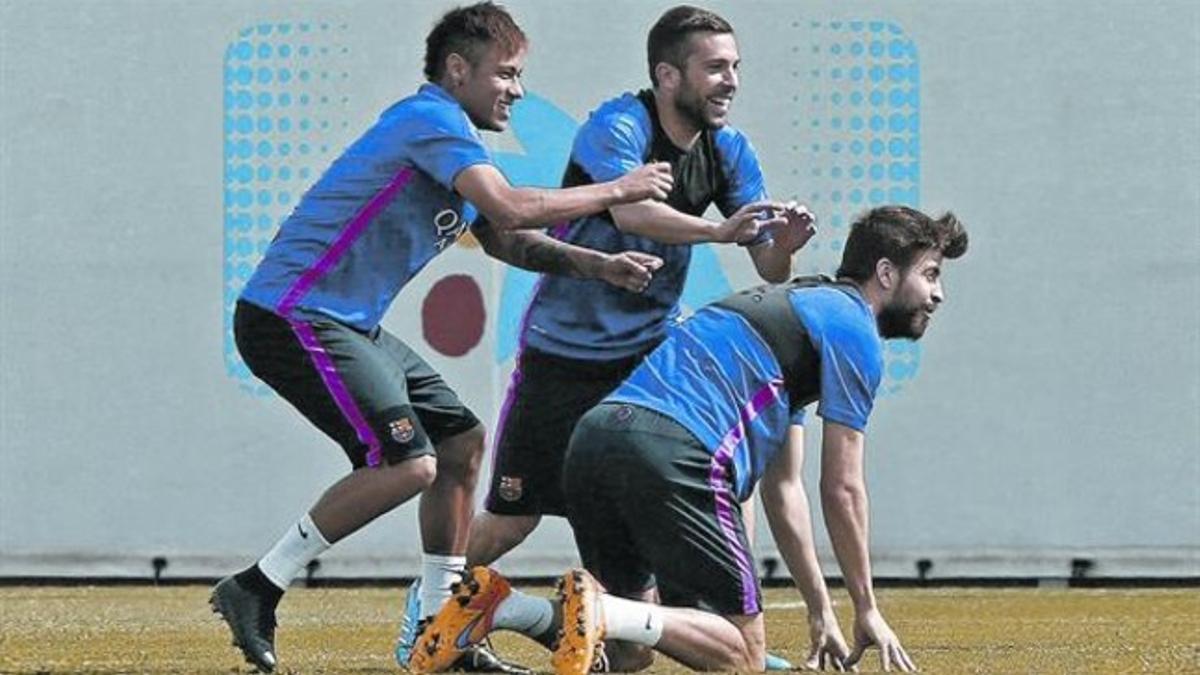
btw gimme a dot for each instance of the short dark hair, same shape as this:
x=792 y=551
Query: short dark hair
x=900 y=234
x=467 y=31
x=668 y=41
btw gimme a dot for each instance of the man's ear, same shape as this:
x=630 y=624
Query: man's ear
x=887 y=274
x=668 y=76
x=458 y=69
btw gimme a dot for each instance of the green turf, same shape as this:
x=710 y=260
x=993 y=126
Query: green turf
x=947 y=630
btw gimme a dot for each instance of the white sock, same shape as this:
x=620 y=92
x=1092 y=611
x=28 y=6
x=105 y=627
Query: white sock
x=437 y=573
x=637 y=622
x=302 y=543
x=529 y=615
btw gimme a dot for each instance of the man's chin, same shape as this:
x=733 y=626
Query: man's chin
x=918 y=329
x=893 y=326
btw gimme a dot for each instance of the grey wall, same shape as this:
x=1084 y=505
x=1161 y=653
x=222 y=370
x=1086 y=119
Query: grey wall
x=1052 y=412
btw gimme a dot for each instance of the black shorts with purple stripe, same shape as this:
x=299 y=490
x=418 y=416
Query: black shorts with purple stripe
x=369 y=392
x=547 y=396
x=649 y=507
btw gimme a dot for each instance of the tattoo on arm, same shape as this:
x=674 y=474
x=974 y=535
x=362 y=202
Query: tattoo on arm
x=541 y=253
x=534 y=251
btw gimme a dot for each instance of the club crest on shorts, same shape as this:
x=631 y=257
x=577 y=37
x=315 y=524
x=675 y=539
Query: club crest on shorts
x=402 y=430
x=510 y=488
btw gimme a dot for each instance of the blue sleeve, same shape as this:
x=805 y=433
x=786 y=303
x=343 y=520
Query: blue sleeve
x=442 y=143
x=743 y=176
x=851 y=368
x=610 y=146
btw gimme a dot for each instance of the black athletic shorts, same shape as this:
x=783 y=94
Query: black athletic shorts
x=367 y=391
x=547 y=396
x=649 y=506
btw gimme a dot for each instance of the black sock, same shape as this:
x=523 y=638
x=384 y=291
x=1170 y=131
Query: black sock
x=253 y=580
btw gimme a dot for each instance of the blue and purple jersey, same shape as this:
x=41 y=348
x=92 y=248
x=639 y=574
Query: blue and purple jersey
x=377 y=216
x=716 y=376
x=590 y=320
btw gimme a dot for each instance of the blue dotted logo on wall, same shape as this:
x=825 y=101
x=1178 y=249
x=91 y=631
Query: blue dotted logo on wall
x=856 y=144
x=285 y=95
x=857 y=117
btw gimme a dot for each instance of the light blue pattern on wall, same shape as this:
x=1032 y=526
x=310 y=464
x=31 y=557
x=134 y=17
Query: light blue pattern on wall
x=284 y=93
x=857 y=144
x=857 y=112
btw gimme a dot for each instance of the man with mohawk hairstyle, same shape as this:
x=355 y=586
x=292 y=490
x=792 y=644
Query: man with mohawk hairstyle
x=308 y=321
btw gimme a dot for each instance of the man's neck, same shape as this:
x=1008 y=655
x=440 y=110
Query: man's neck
x=872 y=292
x=447 y=86
x=682 y=132
x=456 y=93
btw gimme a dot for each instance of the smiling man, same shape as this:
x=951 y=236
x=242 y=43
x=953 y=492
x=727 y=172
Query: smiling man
x=308 y=321
x=654 y=475
x=581 y=339
x=574 y=352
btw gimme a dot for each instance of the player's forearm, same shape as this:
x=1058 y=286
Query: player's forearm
x=773 y=262
x=537 y=252
x=663 y=223
x=790 y=519
x=846 y=517
x=528 y=208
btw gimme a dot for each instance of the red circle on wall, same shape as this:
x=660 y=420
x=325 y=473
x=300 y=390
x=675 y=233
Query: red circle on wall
x=452 y=315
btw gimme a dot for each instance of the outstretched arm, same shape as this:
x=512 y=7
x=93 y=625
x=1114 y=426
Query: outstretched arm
x=794 y=228
x=538 y=252
x=844 y=497
x=512 y=208
x=786 y=503
x=665 y=224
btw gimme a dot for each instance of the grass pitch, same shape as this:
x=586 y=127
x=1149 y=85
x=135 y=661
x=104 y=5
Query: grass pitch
x=134 y=629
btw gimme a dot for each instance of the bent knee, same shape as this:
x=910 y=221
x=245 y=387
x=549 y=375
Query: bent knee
x=422 y=470
x=750 y=655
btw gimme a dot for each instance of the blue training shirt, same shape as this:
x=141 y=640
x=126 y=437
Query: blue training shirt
x=592 y=320
x=377 y=216
x=716 y=376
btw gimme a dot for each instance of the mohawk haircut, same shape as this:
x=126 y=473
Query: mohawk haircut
x=469 y=31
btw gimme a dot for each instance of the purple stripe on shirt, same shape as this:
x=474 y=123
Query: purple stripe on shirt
x=337 y=388
x=308 y=338
x=342 y=243
x=720 y=478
